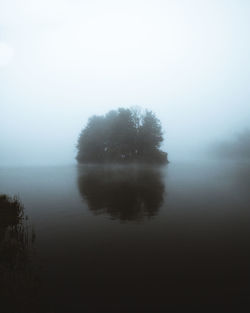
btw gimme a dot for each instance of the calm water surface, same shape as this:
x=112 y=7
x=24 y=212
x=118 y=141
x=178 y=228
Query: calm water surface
x=135 y=239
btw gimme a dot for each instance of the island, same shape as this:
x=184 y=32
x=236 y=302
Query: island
x=122 y=136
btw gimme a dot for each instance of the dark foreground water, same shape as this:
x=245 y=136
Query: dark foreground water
x=131 y=239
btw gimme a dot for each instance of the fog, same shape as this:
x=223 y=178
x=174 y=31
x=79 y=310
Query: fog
x=63 y=61
x=238 y=147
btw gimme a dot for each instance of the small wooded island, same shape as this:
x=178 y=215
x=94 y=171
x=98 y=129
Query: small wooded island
x=122 y=136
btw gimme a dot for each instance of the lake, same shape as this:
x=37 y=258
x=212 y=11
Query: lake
x=133 y=238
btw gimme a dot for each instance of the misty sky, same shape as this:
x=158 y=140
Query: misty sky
x=62 y=61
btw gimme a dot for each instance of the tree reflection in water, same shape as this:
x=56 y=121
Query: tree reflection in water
x=123 y=192
x=18 y=282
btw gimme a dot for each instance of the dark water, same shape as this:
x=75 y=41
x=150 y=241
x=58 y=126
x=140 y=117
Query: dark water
x=134 y=239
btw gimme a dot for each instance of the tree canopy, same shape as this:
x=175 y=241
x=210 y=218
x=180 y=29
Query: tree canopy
x=123 y=135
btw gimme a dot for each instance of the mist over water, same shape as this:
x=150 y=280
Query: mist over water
x=236 y=148
x=129 y=237
x=64 y=61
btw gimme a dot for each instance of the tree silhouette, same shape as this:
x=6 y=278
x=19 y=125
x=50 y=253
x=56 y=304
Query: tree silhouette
x=124 y=135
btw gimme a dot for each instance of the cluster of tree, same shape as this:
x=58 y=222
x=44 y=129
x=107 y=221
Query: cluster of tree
x=124 y=135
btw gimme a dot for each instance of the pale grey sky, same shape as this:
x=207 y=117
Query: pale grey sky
x=64 y=60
